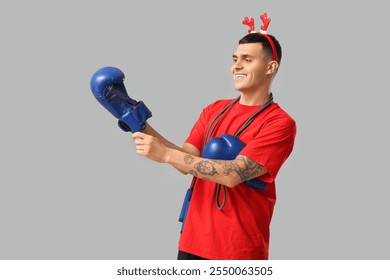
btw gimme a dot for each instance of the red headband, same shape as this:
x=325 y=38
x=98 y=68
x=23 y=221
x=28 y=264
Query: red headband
x=263 y=31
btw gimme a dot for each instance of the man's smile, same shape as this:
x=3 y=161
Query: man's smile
x=239 y=75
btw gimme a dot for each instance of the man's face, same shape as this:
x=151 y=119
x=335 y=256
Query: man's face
x=250 y=67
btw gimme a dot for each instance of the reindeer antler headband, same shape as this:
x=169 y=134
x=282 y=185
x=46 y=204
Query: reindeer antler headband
x=263 y=31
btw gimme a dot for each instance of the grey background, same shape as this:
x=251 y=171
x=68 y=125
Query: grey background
x=71 y=185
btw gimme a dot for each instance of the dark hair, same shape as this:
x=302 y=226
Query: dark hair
x=259 y=38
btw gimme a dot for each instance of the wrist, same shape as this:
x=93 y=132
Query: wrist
x=168 y=155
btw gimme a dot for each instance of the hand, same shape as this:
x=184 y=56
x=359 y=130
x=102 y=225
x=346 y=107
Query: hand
x=150 y=147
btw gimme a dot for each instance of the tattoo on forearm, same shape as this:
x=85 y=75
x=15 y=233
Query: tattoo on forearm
x=188 y=159
x=206 y=167
x=248 y=171
x=193 y=173
x=245 y=167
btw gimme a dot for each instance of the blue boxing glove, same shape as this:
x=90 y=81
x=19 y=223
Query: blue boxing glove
x=108 y=88
x=227 y=147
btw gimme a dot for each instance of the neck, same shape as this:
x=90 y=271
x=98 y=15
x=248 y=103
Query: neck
x=255 y=98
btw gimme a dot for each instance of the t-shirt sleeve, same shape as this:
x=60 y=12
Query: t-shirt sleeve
x=272 y=146
x=198 y=131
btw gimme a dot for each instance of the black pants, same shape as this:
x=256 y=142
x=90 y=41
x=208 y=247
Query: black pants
x=187 y=256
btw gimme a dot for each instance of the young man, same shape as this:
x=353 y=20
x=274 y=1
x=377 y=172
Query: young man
x=227 y=219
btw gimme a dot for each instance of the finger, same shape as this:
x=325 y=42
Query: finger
x=138 y=135
x=141 y=151
x=138 y=141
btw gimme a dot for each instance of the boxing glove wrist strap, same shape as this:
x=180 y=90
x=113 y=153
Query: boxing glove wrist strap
x=135 y=120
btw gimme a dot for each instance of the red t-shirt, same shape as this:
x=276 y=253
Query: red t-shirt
x=241 y=229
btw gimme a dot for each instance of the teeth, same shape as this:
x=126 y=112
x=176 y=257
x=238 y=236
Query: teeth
x=240 y=75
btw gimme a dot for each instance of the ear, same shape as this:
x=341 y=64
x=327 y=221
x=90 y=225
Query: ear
x=272 y=67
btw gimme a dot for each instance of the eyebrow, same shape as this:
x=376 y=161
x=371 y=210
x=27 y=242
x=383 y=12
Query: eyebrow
x=243 y=56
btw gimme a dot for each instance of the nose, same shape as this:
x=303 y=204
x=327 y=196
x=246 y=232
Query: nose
x=237 y=65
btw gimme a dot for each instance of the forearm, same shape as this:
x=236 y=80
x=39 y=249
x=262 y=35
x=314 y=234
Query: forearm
x=191 y=150
x=151 y=131
x=225 y=172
